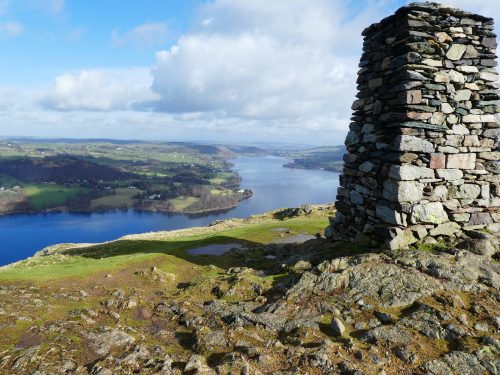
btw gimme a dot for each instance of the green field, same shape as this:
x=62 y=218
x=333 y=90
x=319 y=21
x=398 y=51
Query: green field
x=45 y=195
x=182 y=202
x=122 y=198
x=101 y=175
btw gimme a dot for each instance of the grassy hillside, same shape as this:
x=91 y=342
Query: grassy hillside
x=159 y=248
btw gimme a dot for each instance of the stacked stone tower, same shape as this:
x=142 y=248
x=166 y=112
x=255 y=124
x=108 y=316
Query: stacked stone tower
x=423 y=143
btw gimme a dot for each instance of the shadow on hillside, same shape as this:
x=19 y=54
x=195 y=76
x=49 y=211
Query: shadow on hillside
x=177 y=248
x=260 y=256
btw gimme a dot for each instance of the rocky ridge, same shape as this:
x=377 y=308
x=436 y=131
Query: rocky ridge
x=316 y=308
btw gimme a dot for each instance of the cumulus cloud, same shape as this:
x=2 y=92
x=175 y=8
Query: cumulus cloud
x=98 y=90
x=11 y=28
x=146 y=35
x=246 y=70
x=284 y=66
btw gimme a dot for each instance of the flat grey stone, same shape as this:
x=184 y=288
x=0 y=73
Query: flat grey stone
x=446 y=229
x=461 y=161
x=410 y=172
x=432 y=213
x=388 y=215
x=403 y=191
x=456 y=51
x=412 y=143
x=449 y=174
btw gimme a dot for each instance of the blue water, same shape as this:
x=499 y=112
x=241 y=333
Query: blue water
x=273 y=185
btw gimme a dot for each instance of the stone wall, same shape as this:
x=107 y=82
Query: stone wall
x=422 y=148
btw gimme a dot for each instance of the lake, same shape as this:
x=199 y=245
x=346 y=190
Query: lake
x=273 y=185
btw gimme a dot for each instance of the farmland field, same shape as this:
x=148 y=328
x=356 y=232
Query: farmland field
x=39 y=176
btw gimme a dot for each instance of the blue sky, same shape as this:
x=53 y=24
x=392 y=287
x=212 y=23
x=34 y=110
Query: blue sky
x=221 y=70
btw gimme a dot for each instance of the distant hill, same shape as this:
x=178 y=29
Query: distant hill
x=328 y=158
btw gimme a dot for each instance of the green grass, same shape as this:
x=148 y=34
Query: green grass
x=45 y=196
x=182 y=202
x=123 y=198
x=171 y=254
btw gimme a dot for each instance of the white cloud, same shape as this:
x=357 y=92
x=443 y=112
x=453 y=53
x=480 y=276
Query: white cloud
x=98 y=90
x=146 y=35
x=251 y=76
x=281 y=67
x=11 y=28
x=248 y=70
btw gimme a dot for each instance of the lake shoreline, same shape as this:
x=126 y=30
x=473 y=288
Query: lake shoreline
x=57 y=210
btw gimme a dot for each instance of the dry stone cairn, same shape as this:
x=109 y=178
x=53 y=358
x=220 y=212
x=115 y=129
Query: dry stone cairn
x=422 y=156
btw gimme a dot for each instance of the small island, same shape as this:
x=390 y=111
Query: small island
x=91 y=176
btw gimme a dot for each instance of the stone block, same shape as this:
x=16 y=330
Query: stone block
x=412 y=143
x=367 y=167
x=485 y=191
x=467 y=69
x=388 y=215
x=461 y=95
x=470 y=52
x=454 y=140
x=440 y=193
x=490 y=155
x=355 y=197
x=469 y=191
x=460 y=217
x=489 y=77
x=461 y=161
x=432 y=213
x=441 y=77
x=419 y=230
x=403 y=191
x=413 y=97
x=410 y=172
x=438 y=118
x=375 y=83
x=456 y=77
x=438 y=161
x=402 y=239
x=446 y=108
x=471 y=141
x=442 y=37
x=456 y=51
x=460 y=129
x=446 y=229
x=480 y=218
x=351 y=139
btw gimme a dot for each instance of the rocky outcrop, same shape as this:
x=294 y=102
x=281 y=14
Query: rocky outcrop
x=424 y=137
x=400 y=312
